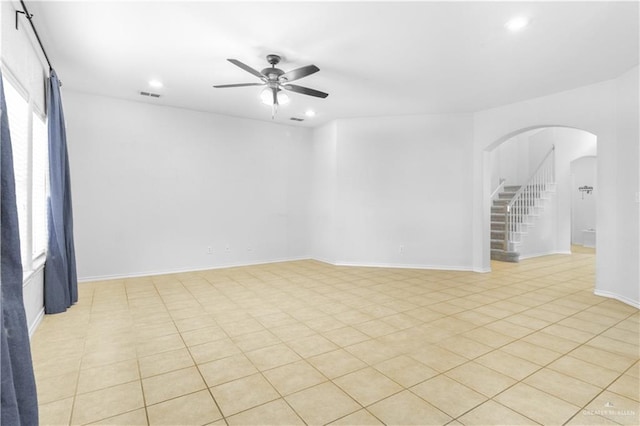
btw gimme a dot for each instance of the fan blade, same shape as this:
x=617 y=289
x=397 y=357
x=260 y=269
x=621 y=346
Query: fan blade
x=305 y=90
x=298 y=73
x=221 y=86
x=247 y=68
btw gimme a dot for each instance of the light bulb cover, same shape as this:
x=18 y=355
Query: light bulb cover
x=266 y=96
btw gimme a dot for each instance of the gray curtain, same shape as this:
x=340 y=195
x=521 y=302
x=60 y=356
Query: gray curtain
x=18 y=390
x=60 y=279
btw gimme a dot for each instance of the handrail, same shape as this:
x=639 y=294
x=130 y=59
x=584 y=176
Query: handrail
x=498 y=188
x=522 y=188
x=527 y=195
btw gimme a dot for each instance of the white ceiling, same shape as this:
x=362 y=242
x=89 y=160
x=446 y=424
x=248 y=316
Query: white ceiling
x=375 y=58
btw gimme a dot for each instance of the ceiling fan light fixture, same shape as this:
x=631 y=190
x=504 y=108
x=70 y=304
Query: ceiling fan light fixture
x=266 y=96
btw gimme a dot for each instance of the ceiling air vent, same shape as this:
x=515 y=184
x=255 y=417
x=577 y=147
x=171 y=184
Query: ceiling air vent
x=153 y=95
x=296 y=119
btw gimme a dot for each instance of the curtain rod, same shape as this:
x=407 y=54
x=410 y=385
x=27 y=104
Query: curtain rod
x=29 y=16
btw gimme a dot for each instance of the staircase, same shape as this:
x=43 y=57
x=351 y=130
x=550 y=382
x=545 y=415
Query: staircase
x=514 y=210
x=499 y=249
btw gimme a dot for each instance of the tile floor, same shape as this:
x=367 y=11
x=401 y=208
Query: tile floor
x=309 y=343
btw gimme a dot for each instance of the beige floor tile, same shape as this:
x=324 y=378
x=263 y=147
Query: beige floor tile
x=245 y=326
x=132 y=418
x=375 y=328
x=367 y=386
x=569 y=333
x=195 y=323
x=272 y=413
x=109 y=375
x=336 y=363
x=562 y=386
x=481 y=379
x=203 y=335
x=226 y=369
x=627 y=386
x=257 y=340
x=405 y=370
x=164 y=362
x=292 y=331
x=108 y=356
x=398 y=324
x=448 y=395
x=55 y=413
x=586 y=418
x=109 y=402
x=243 y=394
x=465 y=347
x=360 y=418
x=148 y=331
x=54 y=388
x=345 y=336
x=171 y=385
x=550 y=341
x=213 y=350
x=195 y=408
x=272 y=356
x=531 y=352
x=616 y=408
x=585 y=371
x=488 y=337
x=509 y=329
x=507 y=364
x=311 y=345
x=293 y=377
x=492 y=413
x=610 y=360
x=629 y=349
x=323 y=324
x=322 y=404
x=537 y=405
x=372 y=351
x=160 y=344
x=438 y=358
x=405 y=408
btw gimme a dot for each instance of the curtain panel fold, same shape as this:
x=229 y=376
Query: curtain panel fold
x=18 y=389
x=60 y=279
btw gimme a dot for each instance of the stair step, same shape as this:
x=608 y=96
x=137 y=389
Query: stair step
x=505 y=256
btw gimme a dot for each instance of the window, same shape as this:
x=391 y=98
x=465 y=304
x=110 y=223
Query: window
x=29 y=142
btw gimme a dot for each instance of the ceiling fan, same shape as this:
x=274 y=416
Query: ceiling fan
x=276 y=80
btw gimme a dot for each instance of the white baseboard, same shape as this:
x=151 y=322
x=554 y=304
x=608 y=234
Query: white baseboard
x=182 y=270
x=36 y=322
x=623 y=299
x=531 y=256
x=405 y=266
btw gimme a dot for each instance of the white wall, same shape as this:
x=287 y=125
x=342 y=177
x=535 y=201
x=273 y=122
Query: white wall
x=583 y=204
x=322 y=207
x=154 y=187
x=610 y=111
x=402 y=190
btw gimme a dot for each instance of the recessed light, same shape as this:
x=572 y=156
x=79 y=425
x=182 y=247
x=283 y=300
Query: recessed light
x=517 y=23
x=155 y=83
x=310 y=113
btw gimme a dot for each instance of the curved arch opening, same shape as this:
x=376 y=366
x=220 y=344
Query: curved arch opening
x=547 y=228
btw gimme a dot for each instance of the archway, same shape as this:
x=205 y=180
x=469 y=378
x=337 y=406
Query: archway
x=513 y=157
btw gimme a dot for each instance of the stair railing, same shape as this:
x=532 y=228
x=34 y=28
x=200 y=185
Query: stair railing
x=498 y=189
x=525 y=198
